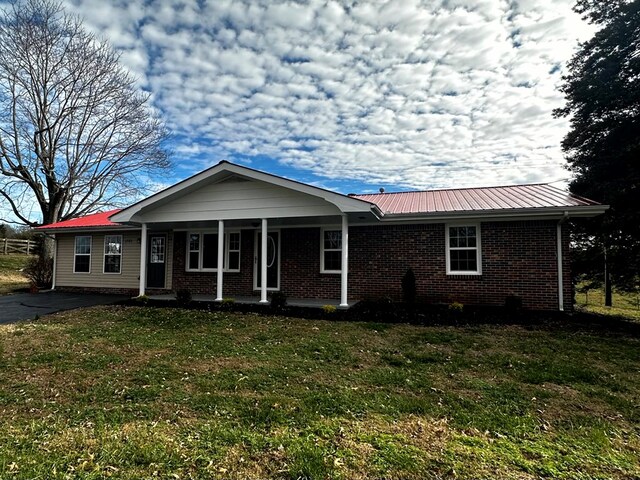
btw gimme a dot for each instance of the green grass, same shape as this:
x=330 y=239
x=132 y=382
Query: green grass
x=626 y=305
x=11 y=279
x=142 y=393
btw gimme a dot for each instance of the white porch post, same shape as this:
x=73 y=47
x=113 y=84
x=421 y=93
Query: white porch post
x=263 y=263
x=143 y=258
x=344 y=301
x=220 y=260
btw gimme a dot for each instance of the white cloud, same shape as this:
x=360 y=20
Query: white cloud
x=416 y=94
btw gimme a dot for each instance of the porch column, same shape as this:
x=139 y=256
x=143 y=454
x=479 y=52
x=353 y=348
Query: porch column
x=344 y=302
x=220 y=260
x=143 y=258
x=263 y=263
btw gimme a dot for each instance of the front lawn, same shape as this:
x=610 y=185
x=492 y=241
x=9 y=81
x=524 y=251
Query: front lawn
x=143 y=393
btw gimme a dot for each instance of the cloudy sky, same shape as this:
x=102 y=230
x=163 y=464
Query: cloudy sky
x=354 y=95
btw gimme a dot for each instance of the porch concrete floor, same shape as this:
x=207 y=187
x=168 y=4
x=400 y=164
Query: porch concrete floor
x=293 y=302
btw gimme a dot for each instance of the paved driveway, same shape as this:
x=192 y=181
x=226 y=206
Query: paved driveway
x=25 y=306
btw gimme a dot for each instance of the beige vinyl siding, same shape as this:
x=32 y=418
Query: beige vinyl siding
x=130 y=263
x=239 y=200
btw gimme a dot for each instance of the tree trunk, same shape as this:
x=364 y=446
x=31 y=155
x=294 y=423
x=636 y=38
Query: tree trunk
x=47 y=246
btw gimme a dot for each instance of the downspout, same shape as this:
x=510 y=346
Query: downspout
x=55 y=261
x=564 y=218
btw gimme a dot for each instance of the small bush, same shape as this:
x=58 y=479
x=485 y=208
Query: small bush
x=513 y=303
x=278 y=300
x=329 y=309
x=141 y=299
x=228 y=301
x=456 y=307
x=183 y=297
x=409 y=291
x=39 y=271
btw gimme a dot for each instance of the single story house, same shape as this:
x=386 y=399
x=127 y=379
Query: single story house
x=232 y=231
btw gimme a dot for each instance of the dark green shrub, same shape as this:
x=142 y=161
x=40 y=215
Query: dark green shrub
x=513 y=303
x=409 y=291
x=183 y=297
x=278 y=300
x=39 y=271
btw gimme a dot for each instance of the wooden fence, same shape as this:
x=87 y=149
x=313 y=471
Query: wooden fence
x=14 y=245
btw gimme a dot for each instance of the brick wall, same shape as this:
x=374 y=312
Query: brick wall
x=518 y=258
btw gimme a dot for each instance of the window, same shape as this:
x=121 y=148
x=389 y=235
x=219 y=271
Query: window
x=82 y=259
x=112 y=253
x=202 y=254
x=233 y=251
x=463 y=250
x=331 y=251
x=158 y=249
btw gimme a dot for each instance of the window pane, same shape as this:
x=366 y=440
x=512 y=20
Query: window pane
x=194 y=241
x=332 y=260
x=210 y=250
x=157 y=249
x=332 y=239
x=234 y=261
x=113 y=244
x=464 y=261
x=112 y=264
x=234 y=241
x=193 y=260
x=83 y=245
x=82 y=263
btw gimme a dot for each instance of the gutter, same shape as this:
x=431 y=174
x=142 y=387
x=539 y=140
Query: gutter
x=508 y=213
x=559 y=256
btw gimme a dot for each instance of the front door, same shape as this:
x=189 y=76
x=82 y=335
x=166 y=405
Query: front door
x=156 y=260
x=273 y=261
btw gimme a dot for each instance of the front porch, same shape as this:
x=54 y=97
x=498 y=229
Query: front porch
x=255 y=300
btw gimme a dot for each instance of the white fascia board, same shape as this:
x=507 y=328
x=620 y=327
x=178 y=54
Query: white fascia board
x=511 y=214
x=344 y=203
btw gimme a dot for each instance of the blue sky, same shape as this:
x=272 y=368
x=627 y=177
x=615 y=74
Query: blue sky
x=349 y=95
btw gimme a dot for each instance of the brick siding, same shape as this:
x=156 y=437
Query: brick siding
x=518 y=258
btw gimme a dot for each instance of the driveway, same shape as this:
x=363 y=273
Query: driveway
x=25 y=306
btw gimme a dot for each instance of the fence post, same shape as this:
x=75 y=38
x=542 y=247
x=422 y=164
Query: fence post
x=5 y=246
x=28 y=246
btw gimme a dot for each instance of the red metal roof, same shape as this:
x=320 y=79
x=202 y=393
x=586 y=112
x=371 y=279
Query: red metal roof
x=475 y=199
x=94 y=220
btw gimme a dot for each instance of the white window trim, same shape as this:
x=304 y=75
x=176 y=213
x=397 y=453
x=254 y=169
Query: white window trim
x=322 y=249
x=104 y=254
x=75 y=254
x=477 y=248
x=201 y=234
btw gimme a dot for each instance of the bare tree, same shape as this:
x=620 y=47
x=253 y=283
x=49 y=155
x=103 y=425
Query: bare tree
x=76 y=133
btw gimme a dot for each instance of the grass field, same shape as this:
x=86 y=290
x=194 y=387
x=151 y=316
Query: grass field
x=11 y=279
x=157 y=393
x=624 y=304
